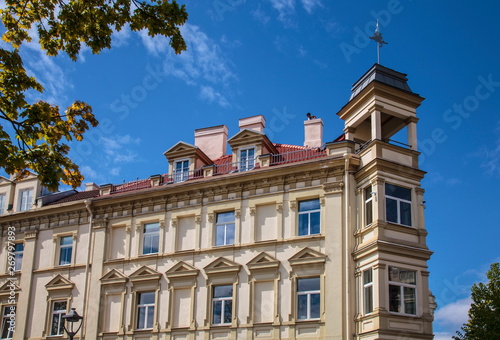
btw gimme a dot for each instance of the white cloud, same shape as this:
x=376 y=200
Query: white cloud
x=310 y=5
x=120 y=38
x=285 y=8
x=453 y=315
x=261 y=15
x=202 y=65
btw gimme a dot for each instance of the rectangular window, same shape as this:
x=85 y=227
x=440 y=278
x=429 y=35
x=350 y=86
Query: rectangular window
x=368 y=290
x=145 y=310
x=402 y=291
x=65 y=250
x=151 y=238
x=398 y=204
x=181 y=171
x=308 y=298
x=222 y=305
x=8 y=325
x=224 y=228
x=58 y=311
x=368 y=206
x=2 y=204
x=247 y=159
x=309 y=217
x=25 y=199
x=18 y=255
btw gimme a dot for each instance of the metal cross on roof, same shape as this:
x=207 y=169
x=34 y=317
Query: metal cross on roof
x=377 y=36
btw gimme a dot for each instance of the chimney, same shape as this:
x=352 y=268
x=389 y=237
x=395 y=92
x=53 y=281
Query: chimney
x=256 y=123
x=91 y=186
x=212 y=141
x=313 y=133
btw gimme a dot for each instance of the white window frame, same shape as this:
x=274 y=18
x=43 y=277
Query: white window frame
x=224 y=304
x=18 y=256
x=402 y=286
x=308 y=293
x=398 y=206
x=147 y=307
x=367 y=292
x=226 y=225
x=3 y=198
x=57 y=314
x=183 y=174
x=368 y=191
x=246 y=163
x=308 y=212
x=25 y=203
x=150 y=234
x=63 y=247
x=7 y=324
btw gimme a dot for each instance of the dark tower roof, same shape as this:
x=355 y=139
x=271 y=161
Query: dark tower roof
x=383 y=75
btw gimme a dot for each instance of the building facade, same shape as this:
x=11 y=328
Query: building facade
x=266 y=241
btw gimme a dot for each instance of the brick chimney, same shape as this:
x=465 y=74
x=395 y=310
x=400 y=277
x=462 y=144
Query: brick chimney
x=212 y=141
x=313 y=133
x=256 y=123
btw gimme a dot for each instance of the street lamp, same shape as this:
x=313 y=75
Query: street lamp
x=72 y=317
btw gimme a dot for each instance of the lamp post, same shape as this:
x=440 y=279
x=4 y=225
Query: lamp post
x=72 y=317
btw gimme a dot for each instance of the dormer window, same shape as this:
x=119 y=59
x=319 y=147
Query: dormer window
x=181 y=171
x=25 y=199
x=247 y=159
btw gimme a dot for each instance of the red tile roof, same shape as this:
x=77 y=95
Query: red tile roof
x=78 y=196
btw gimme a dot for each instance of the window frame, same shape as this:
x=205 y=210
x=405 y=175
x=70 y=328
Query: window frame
x=402 y=286
x=226 y=225
x=368 y=191
x=367 y=292
x=246 y=163
x=308 y=293
x=147 y=307
x=62 y=247
x=309 y=213
x=59 y=314
x=150 y=234
x=18 y=256
x=223 y=301
x=25 y=206
x=7 y=324
x=183 y=174
x=399 y=201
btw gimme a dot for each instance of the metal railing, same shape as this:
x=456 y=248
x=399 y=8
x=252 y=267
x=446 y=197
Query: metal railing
x=182 y=176
x=130 y=186
x=297 y=156
x=229 y=168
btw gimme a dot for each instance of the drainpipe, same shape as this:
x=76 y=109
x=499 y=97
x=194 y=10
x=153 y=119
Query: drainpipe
x=347 y=236
x=88 y=205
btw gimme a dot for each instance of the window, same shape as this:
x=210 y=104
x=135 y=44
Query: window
x=398 y=204
x=247 y=159
x=368 y=290
x=368 y=206
x=151 y=238
x=309 y=217
x=224 y=229
x=65 y=250
x=8 y=324
x=2 y=208
x=58 y=311
x=308 y=298
x=402 y=291
x=25 y=199
x=18 y=256
x=145 y=310
x=222 y=304
x=181 y=171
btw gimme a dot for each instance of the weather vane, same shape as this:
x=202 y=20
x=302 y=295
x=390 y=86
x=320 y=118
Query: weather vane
x=377 y=36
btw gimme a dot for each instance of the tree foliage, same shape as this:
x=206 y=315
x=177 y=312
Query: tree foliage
x=35 y=136
x=484 y=312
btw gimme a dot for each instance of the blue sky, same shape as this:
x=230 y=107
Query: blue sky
x=284 y=58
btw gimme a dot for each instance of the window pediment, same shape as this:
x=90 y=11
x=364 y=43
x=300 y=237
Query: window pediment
x=186 y=150
x=59 y=282
x=307 y=256
x=250 y=137
x=8 y=287
x=263 y=261
x=182 y=270
x=144 y=274
x=114 y=276
x=222 y=266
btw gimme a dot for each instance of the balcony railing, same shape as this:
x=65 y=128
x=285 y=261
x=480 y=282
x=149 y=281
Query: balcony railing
x=221 y=169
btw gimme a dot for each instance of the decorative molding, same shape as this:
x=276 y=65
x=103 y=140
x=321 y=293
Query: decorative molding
x=100 y=223
x=322 y=201
x=293 y=205
x=377 y=181
x=211 y=217
x=174 y=222
x=334 y=187
x=307 y=256
x=182 y=271
x=74 y=236
x=222 y=266
x=31 y=234
x=379 y=266
x=128 y=228
x=197 y=219
x=54 y=238
x=263 y=261
x=252 y=211
x=279 y=207
x=162 y=224
x=237 y=213
x=114 y=277
x=419 y=191
x=144 y=274
x=59 y=282
x=359 y=191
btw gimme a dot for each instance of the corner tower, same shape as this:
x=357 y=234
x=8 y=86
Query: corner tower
x=390 y=253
